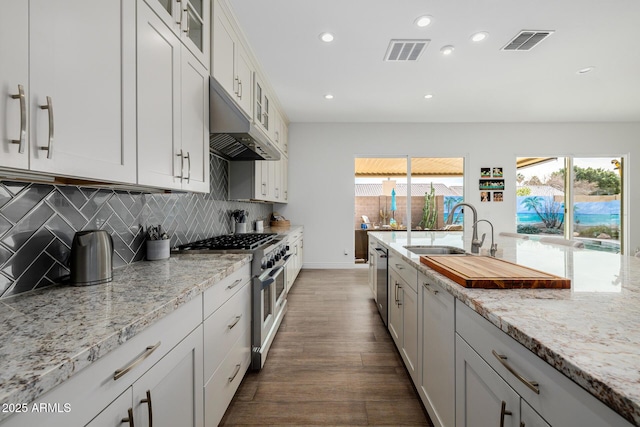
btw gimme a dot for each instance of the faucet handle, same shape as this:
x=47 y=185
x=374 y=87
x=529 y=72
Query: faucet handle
x=482 y=240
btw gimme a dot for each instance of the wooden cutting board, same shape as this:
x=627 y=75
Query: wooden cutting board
x=487 y=272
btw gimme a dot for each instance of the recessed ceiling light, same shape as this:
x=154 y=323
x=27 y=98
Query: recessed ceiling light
x=478 y=37
x=423 y=21
x=326 y=37
x=428 y=96
x=585 y=70
x=328 y=96
x=447 y=50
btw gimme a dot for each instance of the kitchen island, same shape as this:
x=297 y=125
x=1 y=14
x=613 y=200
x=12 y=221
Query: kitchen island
x=590 y=333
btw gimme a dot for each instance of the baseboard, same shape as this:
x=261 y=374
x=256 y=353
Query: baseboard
x=332 y=266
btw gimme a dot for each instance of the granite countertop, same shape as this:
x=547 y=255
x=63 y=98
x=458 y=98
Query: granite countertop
x=46 y=336
x=590 y=333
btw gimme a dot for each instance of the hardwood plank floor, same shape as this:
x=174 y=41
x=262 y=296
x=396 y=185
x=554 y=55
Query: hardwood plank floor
x=332 y=363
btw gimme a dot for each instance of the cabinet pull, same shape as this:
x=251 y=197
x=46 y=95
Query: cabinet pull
x=395 y=289
x=23 y=119
x=240 y=88
x=503 y=360
x=427 y=286
x=235 y=322
x=121 y=372
x=234 y=284
x=235 y=373
x=129 y=418
x=399 y=266
x=49 y=147
x=188 y=157
x=264 y=188
x=186 y=17
x=181 y=165
x=236 y=84
x=521 y=423
x=503 y=412
x=148 y=402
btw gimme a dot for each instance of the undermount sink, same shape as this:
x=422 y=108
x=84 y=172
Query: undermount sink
x=435 y=250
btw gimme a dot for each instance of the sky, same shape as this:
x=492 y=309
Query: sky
x=545 y=169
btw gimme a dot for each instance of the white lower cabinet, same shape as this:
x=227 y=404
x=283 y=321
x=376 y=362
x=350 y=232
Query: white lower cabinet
x=169 y=394
x=227 y=346
x=403 y=314
x=165 y=358
x=437 y=344
x=484 y=351
x=483 y=399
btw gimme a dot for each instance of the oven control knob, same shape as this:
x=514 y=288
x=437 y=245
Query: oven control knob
x=263 y=265
x=283 y=251
x=278 y=256
x=270 y=263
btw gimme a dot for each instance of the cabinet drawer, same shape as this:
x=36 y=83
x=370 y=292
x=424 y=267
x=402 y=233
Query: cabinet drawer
x=216 y=295
x=560 y=401
x=220 y=389
x=224 y=328
x=404 y=269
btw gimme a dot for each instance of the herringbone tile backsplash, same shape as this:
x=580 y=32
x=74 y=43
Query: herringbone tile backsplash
x=38 y=222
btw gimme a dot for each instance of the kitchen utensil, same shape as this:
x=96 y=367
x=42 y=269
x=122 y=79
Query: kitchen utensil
x=91 y=259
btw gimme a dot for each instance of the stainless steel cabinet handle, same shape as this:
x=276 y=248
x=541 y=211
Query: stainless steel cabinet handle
x=427 y=286
x=49 y=147
x=236 y=84
x=188 y=167
x=264 y=188
x=23 y=119
x=235 y=373
x=503 y=360
x=235 y=322
x=129 y=418
x=186 y=17
x=149 y=407
x=121 y=372
x=503 y=412
x=399 y=266
x=240 y=88
x=181 y=155
x=396 y=292
x=522 y=424
x=234 y=284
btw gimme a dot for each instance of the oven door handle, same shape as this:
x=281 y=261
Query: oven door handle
x=276 y=270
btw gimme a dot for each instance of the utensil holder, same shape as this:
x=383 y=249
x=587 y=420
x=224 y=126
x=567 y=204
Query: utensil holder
x=241 y=227
x=158 y=249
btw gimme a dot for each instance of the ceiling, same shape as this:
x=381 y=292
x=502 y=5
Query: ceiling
x=478 y=82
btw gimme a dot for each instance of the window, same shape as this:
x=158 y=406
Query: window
x=584 y=204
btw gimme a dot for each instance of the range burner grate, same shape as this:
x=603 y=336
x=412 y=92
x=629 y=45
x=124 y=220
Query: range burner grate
x=249 y=241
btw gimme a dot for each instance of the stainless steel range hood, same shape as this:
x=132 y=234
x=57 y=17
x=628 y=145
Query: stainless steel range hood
x=233 y=135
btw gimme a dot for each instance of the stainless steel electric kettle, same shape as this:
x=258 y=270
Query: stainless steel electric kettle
x=91 y=259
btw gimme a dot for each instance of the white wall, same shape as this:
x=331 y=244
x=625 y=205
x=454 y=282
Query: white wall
x=321 y=169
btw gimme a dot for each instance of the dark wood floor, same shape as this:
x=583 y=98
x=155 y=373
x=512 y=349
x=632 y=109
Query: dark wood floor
x=332 y=363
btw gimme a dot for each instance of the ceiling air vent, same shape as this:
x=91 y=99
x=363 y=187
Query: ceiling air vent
x=526 y=40
x=405 y=50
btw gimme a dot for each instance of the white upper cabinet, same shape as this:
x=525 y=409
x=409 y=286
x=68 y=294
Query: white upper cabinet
x=195 y=124
x=230 y=64
x=262 y=107
x=190 y=21
x=77 y=114
x=173 y=110
x=14 y=84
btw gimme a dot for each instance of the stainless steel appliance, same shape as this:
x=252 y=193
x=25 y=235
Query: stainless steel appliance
x=233 y=134
x=269 y=292
x=91 y=259
x=382 y=287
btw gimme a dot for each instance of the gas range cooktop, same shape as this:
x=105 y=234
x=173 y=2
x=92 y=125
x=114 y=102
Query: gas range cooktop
x=245 y=242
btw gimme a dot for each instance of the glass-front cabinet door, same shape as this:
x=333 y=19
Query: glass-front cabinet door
x=189 y=20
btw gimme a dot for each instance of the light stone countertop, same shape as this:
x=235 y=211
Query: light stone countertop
x=590 y=333
x=48 y=335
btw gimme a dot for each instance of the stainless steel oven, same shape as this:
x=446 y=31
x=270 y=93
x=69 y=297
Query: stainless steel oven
x=269 y=291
